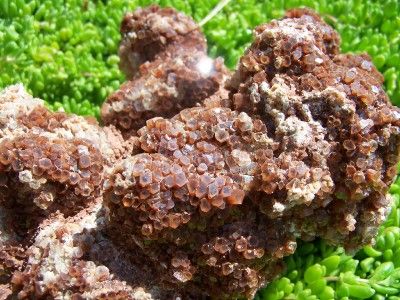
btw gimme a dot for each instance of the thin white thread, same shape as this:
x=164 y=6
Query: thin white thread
x=214 y=12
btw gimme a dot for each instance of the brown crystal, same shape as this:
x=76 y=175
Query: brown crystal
x=164 y=55
x=206 y=200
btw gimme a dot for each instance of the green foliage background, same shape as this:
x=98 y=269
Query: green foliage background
x=64 y=51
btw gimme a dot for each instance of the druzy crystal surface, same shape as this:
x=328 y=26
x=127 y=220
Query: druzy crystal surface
x=202 y=181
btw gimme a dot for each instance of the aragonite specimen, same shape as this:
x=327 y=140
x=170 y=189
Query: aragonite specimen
x=164 y=54
x=49 y=161
x=308 y=149
x=60 y=265
x=199 y=201
x=151 y=32
x=52 y=167
x=294 y=79
x=165 y=87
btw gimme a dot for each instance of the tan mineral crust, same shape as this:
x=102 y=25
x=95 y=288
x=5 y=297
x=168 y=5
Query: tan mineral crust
x=201 y=182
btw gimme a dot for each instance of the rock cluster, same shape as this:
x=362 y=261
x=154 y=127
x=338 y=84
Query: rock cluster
x=164 y=55
x=306 y=148
x=196 y=200
x=330 y=109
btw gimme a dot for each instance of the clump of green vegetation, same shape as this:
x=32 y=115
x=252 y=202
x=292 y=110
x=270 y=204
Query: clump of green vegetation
x=65 y=52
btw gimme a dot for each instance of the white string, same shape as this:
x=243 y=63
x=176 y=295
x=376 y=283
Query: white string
x=214 y=11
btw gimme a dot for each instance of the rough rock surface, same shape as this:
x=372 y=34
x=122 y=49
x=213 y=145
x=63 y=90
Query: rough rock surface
x=165 y=55
x=48 y=162
x=150 y=32
x=304 y=144
x=331 y=107
x=62 y=262
x=308 y=149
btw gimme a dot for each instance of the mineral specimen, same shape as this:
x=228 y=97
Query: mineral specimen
x=49 y=161
x=60 y=265
x=52 y=166
x=165 y=54
x=329 y=108
x=202 y=201
x=148 y=33
x=307 y=149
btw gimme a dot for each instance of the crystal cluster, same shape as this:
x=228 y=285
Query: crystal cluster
x=307 y=149
x=332 y=110
x=196 y=200
x=185 y=193
x=60 y=264
x=164 y=55
x=49 y=162
x=152 y=32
